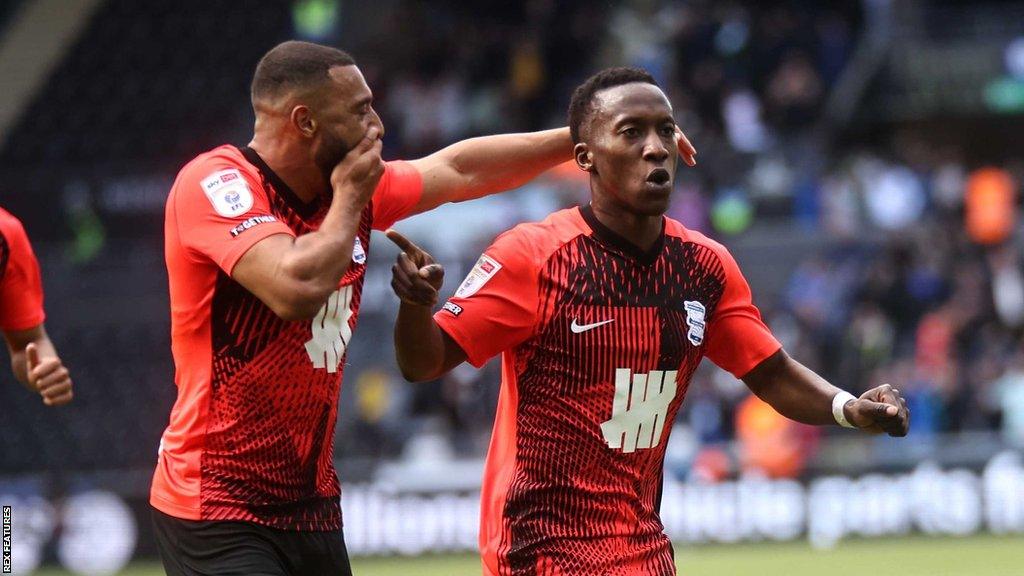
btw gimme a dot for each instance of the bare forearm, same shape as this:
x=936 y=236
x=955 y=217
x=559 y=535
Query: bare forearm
x=490 y=164
x=321 y=258
x=419 y=344
x=794 y=390
x=20 y=367
x=16 y=343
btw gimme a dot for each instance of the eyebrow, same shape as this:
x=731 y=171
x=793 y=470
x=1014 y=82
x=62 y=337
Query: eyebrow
x=363 y=101
x=633 y=119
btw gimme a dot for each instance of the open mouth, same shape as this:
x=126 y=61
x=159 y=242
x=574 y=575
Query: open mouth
x=659 y=176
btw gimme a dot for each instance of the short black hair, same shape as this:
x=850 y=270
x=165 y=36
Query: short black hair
x=294 y=64
x=581 y=106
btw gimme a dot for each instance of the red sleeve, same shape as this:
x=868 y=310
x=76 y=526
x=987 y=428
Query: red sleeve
x=222 y=210
x=495 y=307
x=21 y=288
x=738 y=339
x=397 y=193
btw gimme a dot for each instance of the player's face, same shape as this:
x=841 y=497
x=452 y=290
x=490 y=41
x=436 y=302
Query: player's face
x=345 y=116
x=631 y=144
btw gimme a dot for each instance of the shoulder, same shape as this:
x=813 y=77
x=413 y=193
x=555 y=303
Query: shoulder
x=535 y=242
x=222 y=178
x=676 y=229
x=210 y=168
x=10 y=227
x=13 y=237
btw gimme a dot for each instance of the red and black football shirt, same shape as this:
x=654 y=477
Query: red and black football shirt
x=251 y=434
x=599 y=343
x=21 y=288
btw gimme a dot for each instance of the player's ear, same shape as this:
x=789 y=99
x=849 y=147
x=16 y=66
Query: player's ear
x=584 y=159
x=302 y=119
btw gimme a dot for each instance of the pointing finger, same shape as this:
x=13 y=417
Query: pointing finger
x=409 y=268
x=401 y=241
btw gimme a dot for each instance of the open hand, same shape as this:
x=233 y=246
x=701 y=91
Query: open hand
x=880 y=409
x=415 y=277
x=49 y=377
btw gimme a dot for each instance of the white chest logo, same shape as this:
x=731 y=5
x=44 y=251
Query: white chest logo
x=639 y=409
x=228 y=192
x=581 y=328
x=330 y=331
x=695 y=320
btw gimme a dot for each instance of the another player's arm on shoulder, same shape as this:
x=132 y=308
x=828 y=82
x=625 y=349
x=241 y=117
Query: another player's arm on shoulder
x=485 y=165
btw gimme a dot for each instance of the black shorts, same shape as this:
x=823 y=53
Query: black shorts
x=223 y=548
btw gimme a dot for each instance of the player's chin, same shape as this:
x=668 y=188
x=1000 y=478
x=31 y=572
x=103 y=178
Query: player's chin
x=652 y=203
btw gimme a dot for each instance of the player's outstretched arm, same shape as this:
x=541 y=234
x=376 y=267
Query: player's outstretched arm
x=36 y=364
x=486 y=165
x=798 y=393
x=294 y=276
x=422 y=349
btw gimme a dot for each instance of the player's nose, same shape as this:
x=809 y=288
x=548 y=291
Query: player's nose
x=376 y=121
x=655 y=150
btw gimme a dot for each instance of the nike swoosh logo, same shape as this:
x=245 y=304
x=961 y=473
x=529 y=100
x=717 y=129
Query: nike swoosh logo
x=578 y=329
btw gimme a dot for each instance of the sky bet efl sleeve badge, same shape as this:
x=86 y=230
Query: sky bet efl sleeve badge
x=228 y=192
x=485 y=269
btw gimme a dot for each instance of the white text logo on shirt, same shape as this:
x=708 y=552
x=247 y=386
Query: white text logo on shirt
x=639 y=409
x=251 y=223
x=330 y=331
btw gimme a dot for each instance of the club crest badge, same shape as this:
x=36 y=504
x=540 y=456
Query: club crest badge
x=695 y=313
x=358 y=253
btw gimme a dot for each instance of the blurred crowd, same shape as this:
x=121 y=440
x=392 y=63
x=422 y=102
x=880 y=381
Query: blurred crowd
x=741 y=75
x=919 y=282
x=917 y=278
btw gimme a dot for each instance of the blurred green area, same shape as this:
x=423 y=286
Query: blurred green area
x=912 y=556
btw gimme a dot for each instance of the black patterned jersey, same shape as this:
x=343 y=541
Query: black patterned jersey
x=599 y=343
x=251 y=434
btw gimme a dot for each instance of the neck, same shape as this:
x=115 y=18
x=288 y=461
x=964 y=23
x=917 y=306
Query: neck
x=641 y=230
x=293 y=167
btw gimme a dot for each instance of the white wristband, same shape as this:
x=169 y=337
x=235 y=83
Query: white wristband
x=838 y=403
